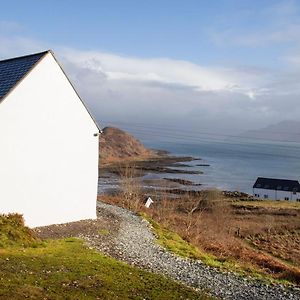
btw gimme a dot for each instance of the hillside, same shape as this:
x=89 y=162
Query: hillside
x=285 y=131
x=117 y=145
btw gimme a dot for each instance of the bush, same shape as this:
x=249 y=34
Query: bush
x=13 y=232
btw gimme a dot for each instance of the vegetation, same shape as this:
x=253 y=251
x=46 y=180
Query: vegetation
x=172 y=241
x=67 y=269
x=269 y=204
x=255 y=237
x=175 y=244
x=14 y=233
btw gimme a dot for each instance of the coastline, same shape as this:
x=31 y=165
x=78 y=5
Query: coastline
x=162 y=162
x=160 y=173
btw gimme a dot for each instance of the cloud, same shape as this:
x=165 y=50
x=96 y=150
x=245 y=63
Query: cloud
x=166 y=72
x=174 y=92
x=161 y=70
x=170 y=92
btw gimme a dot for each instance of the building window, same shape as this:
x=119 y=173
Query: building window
x=298 y=200
x=266 y=196
x=286 y=198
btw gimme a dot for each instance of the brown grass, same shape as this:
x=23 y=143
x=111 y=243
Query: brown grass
x=258 y=236
x=263 y=240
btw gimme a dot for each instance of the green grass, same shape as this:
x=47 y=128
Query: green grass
x=269 y=204
x=67 y=269
x=103 y=232
x=175 y=244
x=172 y=241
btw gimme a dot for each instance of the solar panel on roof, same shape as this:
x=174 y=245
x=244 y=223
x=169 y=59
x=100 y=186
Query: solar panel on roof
x=13 y=70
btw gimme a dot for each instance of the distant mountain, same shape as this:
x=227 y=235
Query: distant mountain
x=117 y=145
x=285 y=131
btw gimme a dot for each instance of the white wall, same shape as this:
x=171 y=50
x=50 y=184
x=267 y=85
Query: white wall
x=48 y=151
x=275 y=195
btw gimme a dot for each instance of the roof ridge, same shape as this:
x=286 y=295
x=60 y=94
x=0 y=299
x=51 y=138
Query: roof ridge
x=269 y=178
x=25 y=56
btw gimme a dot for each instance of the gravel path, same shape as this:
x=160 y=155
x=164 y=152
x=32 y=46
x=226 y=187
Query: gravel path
x=123 y=235
x=135 y=243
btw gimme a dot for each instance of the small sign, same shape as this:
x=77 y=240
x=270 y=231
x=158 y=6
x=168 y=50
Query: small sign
x=148 y=202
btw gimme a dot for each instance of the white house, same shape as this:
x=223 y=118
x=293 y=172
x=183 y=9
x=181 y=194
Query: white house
x=48 y=144
x=276 y=189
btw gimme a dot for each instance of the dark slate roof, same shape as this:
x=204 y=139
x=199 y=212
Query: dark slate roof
x=277 y=184
x=14 y=69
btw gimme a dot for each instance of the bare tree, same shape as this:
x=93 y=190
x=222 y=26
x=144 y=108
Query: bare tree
x=130 y=188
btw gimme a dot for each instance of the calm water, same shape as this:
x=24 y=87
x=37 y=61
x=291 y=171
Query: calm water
x=235 y=165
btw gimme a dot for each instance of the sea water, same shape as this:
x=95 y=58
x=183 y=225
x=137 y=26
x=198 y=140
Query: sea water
x=234 y=165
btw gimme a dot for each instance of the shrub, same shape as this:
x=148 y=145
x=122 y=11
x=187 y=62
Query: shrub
x=14 y=232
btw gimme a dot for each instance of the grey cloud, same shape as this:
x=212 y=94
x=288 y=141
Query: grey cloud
x=174 y=100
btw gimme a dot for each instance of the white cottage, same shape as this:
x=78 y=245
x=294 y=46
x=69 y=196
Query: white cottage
x=48 y=144
x=276 y=189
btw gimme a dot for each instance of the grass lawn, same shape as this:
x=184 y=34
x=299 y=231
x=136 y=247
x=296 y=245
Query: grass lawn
x=67 y=269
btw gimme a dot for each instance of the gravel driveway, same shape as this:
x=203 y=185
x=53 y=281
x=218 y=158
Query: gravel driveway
x=123 y=235
x=135 y=243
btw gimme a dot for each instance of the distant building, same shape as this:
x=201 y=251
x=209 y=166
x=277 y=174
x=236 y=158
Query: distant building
x=276 y=189
x=48 y=144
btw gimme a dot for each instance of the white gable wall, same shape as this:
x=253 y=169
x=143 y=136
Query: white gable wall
x=48 y=151
x=275 y=195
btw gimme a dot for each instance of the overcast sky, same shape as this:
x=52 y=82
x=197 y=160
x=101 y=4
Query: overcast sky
x=218 y=66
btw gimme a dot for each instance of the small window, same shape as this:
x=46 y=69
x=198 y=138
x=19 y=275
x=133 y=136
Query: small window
x=266 y=196
x=286 y=198
x=298 y=200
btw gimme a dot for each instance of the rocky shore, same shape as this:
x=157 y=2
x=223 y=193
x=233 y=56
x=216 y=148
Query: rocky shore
x=158 y=164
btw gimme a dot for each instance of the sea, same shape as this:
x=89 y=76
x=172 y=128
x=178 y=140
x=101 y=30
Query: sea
x=233 y=165
x=224 y=164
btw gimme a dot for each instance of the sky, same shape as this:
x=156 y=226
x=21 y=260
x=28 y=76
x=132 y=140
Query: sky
x=222 y=66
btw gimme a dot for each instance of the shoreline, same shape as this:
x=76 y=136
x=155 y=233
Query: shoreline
x=162 y=163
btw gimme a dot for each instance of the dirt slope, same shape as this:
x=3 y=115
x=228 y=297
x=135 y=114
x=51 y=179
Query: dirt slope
x=117 y=145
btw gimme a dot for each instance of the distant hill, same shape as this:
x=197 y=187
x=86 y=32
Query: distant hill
x=118 y=145
x=283 y=131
